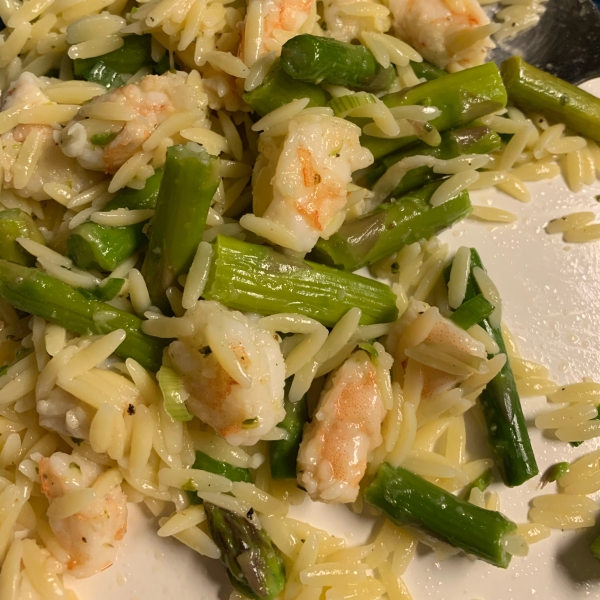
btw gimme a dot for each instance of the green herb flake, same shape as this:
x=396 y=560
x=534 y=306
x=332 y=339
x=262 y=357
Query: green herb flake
x=250 y=423
x=395 y=268
x=74 y=465
x=189 y=486
x=76 y=441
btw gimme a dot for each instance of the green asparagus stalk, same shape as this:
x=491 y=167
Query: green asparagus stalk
x=482 y=483
x=254 y=565
x=507 y=431
x=256 y=278
x=325 y=60
x=425 y=70
x=389 y=228
x=190 y=181
x=284 y=453
x=472 y=311
x=44 y=296
x=205 y=462
x=135 y=53
x=102 y=247
x=534 y=89
x=474 y=139
x=14 y=224
x=278 y=88
x=409 y=500
x=461 y=97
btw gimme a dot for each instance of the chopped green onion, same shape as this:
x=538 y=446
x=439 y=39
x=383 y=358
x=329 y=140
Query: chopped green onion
x=554 y=473
x=103 y=139
x=472 y=311
x=344 y=105
x=174 y=395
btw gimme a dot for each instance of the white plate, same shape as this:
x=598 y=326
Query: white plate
x=551 y=298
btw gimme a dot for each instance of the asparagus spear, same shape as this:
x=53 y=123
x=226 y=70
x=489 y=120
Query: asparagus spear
x=425 y=70
x=472 y=311
x=44 y=296
x=507 y=431
x=461 y=97
x=284 y=453
x=389 y=228
x=255 y=278
x=319 y=59
x=135 y=53
x=207 y=463
x=102 y=247
x=278 y=88
x=473 y=139
x=204 y=462
x=14 y=224
x=254 y=565
x=534 y=89
x=190 y=181
x=409 y=500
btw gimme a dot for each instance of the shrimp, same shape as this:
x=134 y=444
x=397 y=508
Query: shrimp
x=344 y=25
x=430 y=26
x=271 y=23
x=234 y=374
x=52 y=166
x=91 y=536
x=311 y=175
x=152 y=100
x=435 y=381
x=345 y=429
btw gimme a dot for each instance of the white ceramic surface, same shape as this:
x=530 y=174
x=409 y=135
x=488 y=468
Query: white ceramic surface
x=551 y=296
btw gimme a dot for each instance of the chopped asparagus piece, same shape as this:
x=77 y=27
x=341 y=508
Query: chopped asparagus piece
x=44 y=296
x=409 y=500
x=461 y=97
x=254 y=565
x=190 y=181
x=389 y=228
x=14 y=224
x=103 y=247
x=278 y=88
x=255 y=278
x=284 y=453
x=533 y=89
x=319 y=59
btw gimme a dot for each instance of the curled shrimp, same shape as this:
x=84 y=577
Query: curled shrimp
x=91 y=536
x=233 y=372
x=148 y=103
x=345 y=429
x=434 y=28
x=271 y=23
x=309 y=187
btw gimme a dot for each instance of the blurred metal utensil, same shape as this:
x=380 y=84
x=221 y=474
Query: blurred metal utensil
x=566 y=41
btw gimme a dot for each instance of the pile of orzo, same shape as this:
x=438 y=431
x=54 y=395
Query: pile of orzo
x=223 y=294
